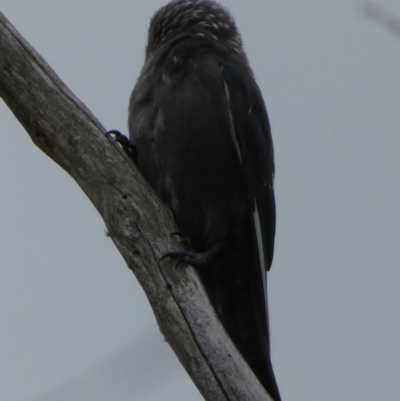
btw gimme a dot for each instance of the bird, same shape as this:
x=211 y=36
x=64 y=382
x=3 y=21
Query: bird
x=202 y=139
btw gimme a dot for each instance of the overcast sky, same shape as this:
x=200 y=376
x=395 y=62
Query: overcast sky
x=74 y=323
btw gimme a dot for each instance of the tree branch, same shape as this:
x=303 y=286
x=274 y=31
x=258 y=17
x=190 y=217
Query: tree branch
x=137 y=221
x=380 y=15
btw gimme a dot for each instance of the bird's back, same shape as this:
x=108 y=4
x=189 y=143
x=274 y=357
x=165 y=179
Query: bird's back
x=180 y=120
x=186 y=152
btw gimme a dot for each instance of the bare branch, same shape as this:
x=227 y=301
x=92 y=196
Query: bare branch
x=137 y=222
x=381 y=16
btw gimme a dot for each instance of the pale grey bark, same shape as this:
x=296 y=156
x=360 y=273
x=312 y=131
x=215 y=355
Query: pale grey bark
x=137 y=222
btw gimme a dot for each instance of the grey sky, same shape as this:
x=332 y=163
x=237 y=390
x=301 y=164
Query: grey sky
x=74 y=324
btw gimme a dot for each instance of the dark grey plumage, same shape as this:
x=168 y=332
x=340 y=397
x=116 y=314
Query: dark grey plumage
x=199 y=123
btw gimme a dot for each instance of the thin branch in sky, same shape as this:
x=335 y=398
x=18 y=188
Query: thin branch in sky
x=380 y=15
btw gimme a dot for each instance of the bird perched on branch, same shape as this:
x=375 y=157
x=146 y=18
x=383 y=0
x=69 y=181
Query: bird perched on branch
x=201 y=131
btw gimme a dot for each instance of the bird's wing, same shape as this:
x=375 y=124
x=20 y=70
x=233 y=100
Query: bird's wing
x=253 y=142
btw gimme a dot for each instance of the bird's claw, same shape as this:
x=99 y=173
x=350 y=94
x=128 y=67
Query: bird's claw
x=127 y=146
x=192 y=258
x=183 y=239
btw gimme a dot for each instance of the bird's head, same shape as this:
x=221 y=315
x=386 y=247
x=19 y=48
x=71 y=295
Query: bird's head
x=201 y=18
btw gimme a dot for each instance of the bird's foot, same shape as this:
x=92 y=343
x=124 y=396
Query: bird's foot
x=183 y=239
x=127 y=146
x=192 y=258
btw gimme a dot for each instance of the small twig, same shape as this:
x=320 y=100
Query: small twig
x=378 y=14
